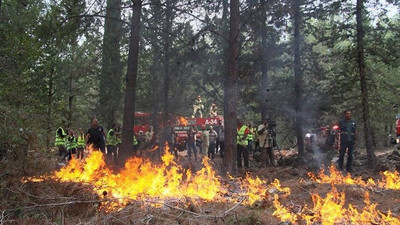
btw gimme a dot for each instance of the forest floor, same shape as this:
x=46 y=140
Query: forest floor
x=49 y=201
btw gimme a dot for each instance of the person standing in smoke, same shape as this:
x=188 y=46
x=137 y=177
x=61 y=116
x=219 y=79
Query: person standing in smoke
x=265 y=142
x=348 y=138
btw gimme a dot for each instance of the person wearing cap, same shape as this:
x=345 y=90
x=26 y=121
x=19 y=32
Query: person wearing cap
x=198 y=107
x=213 y=110
x=204 y=139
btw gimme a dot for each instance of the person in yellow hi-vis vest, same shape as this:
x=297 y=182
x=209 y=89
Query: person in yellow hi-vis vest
x=112 y=142
x=60 y=140
x=241 y=142
x=250 y=138
x=81 y=144
x=71 y=144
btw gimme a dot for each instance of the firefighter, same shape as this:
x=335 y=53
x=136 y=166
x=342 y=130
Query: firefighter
x=71 y=144
x=198 y=107
x=112 y=143
x=242 y=142
x=60 y=143
x=348 y=138
x=213 y=110
x=204 y=139
x=80 y=145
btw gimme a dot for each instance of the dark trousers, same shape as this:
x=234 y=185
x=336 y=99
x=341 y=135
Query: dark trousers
x=99 y=147
x=217 y=146
x=250 y=146
x=80 y=152
x=211 y=150
x=71 y=152
x=242 y=150
x=111 y=152
x=349 y=145
x=62 y=152
x=221 y=148
x=191 y=147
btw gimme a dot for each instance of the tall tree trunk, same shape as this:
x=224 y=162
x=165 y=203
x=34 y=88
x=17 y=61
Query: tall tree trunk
x=298 y=76
x=167 y=55
x=231 y=91
x=155 y=67
x=131 y=76
x=70 y=99
x=363 y=83
x=263 y=60
x=50 y=94
x=111 y=71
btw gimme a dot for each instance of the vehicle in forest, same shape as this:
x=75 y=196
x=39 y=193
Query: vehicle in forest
x=183 y=124
x=180 y=124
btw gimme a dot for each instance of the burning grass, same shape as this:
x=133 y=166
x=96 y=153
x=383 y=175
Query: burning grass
x=166 y=193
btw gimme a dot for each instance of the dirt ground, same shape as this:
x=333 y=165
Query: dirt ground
x=53 y=202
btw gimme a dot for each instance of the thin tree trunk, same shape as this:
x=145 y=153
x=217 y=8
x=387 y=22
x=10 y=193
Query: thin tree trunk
x=298 y=77
x=50 y=107
x=70 y=99
x=231 y=91
x=363 y=83
x=167 y=55
x=131 y=76
x=263 y=60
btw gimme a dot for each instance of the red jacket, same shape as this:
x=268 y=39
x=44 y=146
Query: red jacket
x=398 y=127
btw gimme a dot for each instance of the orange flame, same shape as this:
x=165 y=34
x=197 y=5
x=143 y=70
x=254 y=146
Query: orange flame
x=183 y=121
x=389 y=180
x=331 y=210
x=142 y=178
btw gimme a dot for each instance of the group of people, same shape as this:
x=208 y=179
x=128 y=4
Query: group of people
x=198 y=108
x=71 y=144
x=249 y=138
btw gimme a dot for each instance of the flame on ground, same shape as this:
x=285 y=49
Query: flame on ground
x=389 y=180
x=331 y=210
x=142 y=178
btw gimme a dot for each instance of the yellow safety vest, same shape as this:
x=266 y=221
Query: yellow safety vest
x=81 y=141
x=60 y=140
x=240 y=135
x=111 y=139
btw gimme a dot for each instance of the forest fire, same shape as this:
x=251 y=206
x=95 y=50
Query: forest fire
x=332 y=210
x=154 y=184
x=140 y=179
x=389 y=180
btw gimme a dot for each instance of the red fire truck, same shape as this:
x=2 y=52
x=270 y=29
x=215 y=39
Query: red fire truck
x=183 y=124
x=180 y=124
